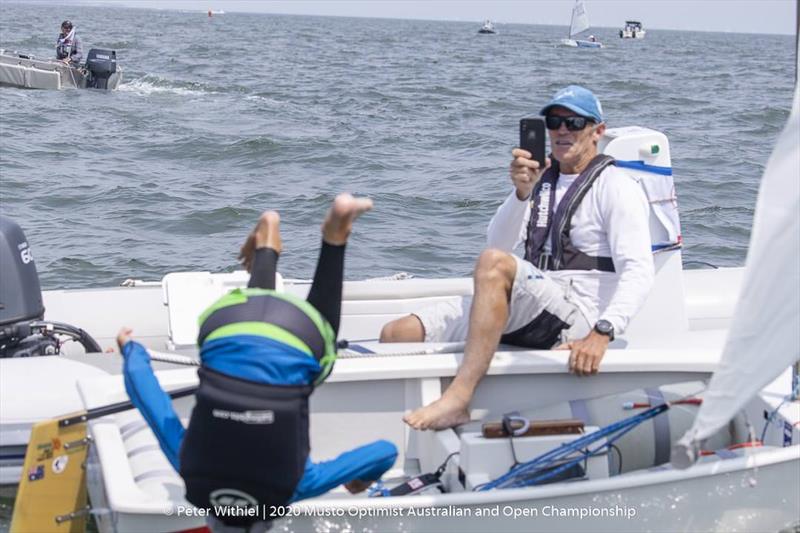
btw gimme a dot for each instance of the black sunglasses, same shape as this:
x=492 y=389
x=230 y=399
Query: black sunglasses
x=573 y=123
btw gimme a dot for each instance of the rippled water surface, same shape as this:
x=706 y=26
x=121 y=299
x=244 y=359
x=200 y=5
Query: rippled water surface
x=218 y=119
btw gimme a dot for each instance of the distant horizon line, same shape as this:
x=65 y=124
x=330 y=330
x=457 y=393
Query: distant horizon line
x=95 y=3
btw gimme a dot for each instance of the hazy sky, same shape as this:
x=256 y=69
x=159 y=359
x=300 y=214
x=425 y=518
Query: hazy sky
x=746 y=16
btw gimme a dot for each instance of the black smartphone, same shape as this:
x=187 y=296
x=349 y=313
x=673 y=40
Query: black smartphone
x=532 y=138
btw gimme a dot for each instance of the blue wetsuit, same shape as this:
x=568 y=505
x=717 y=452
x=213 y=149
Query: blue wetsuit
x=366 y=462
x=257 y=359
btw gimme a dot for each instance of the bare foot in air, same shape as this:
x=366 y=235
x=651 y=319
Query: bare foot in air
x=446 y=412
x=267 y=234
x=339 y=220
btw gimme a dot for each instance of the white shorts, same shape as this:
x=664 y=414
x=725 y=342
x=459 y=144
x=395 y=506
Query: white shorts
x=541 y=314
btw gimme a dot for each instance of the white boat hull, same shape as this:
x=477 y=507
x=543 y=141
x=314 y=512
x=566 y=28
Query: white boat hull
x=695 y=501
x=578 y=43
x=31 y=73
x=757 y=490
x=628 y=34
x=700 y=500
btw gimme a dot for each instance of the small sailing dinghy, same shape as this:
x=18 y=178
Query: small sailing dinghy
x=579 y=24
x=487 y=28
x=761 y=345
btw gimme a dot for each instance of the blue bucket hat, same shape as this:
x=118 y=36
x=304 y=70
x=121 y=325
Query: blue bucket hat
x=577 y=99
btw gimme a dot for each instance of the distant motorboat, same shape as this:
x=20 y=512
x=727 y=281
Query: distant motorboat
x=579 y=23
x=632 y=30
x=211 y=12
x=28 y=72
x=487 y=27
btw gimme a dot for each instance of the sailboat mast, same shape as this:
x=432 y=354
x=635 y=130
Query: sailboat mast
x=572 y=20
x=796 y=366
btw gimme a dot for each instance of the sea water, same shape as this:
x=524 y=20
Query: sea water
x=218 y=119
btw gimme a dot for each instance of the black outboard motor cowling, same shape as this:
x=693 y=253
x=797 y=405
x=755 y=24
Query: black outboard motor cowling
x=23 y=330
x=20 y=292
x=101 y=64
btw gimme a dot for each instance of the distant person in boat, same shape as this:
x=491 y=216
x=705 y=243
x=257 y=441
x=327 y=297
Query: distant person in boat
x=68 y=45
x=586 y=271
x=262 y=353
x=592 y=38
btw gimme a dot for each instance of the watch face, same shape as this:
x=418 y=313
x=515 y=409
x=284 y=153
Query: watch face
x=604 y=326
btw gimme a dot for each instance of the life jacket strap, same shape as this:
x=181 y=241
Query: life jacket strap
x=555 y=223
x=576 y=261
x=570 y=257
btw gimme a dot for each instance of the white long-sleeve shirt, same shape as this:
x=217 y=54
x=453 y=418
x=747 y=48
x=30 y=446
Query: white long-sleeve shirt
x=612 y=220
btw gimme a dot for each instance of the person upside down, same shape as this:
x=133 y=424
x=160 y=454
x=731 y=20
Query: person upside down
x=262 y=353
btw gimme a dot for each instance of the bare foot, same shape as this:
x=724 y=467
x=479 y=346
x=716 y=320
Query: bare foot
x=267 y=234
x=446 y=412
x=124 y=337
x=339 y=220
x=354 y=486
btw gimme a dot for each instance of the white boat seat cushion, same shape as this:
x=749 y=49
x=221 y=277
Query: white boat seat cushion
x=151 y=470
x=188 y=294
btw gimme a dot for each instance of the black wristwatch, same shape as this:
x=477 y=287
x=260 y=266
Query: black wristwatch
x=604 y=327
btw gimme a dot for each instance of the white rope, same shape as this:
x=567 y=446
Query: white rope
x=397 y=276
x=68 y=38
x=449 y=348
x=173 y=358
x=345 y=353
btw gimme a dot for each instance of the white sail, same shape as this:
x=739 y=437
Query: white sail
x=764 y=339
x=580 y=20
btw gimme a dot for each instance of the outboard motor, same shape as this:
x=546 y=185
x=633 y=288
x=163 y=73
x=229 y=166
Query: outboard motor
x=23 y=332
x=20 y=293
x=101 y=64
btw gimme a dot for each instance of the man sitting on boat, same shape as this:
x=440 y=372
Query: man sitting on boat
x=586 y=271
x=68 y=45
x=262 y=353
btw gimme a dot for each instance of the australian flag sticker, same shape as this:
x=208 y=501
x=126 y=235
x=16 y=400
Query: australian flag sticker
x=787 y=434
x=36 y=473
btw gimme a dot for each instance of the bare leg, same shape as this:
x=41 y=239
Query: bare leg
x=406 y=329
x=494 y=276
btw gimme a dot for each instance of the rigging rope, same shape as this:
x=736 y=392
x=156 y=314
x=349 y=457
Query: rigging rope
x=344 y=353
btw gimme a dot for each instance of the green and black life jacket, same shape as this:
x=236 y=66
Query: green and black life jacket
x=247 y=442
x=278 y=316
